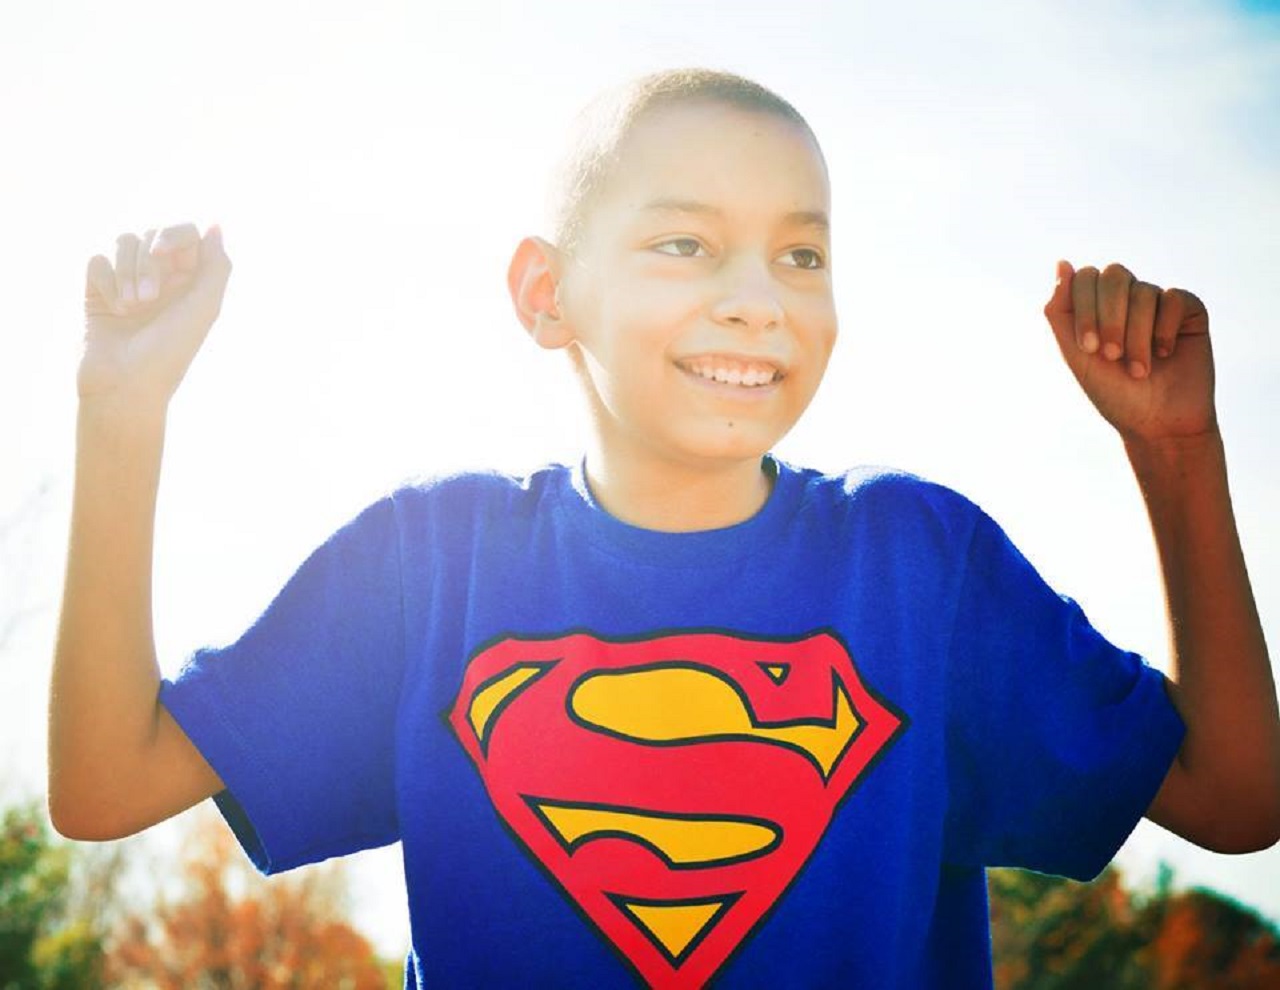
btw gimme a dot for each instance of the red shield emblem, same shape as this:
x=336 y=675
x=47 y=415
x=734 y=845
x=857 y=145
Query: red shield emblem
x=672 y=786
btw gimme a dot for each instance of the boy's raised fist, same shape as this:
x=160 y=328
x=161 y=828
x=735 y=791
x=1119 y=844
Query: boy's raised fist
x=1141 y=353
x=147 y=314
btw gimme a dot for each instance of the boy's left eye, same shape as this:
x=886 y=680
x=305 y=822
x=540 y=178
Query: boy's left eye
x=684 y=247
x=804 y=257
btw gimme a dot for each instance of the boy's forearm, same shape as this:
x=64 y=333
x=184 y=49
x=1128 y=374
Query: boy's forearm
x=1225 y=689
x=104 y=691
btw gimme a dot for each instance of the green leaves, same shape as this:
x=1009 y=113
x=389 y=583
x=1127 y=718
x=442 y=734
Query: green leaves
x=40 y=948
x=1049 y=933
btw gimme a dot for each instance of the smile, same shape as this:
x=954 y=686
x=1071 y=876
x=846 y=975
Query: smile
x=732 y=371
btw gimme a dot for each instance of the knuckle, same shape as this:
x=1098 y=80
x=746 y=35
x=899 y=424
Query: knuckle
x=177 y=236
x=1138 y=347
x=99 y=271
x=1116 y=272
x=1172 y=303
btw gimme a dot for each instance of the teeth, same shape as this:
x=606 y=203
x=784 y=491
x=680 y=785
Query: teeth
x=751 y=376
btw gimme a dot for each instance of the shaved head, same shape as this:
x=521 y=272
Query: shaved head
x=601 y=130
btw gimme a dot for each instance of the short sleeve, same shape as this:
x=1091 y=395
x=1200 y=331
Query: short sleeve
x=1058 y=741
x=298 y=716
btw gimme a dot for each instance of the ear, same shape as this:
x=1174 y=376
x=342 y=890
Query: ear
x=532 y=279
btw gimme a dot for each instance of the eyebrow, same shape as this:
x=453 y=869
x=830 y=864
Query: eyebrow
x=803 y=218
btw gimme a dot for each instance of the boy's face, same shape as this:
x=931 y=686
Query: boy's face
x=699 y=298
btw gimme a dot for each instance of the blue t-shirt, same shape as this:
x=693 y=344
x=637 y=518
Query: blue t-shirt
x=775 y=754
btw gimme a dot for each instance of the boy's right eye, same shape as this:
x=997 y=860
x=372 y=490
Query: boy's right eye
x=683 y=247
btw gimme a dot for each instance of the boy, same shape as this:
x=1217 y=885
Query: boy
x=683 y=711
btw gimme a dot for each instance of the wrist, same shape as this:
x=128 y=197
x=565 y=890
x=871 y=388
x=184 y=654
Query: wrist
x=123 y=431
x=1191 y=447
x=1177 y=460
x=123 y=409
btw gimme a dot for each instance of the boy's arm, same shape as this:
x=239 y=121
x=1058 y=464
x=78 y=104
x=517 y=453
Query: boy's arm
x=1143 y=357
x=117 y=761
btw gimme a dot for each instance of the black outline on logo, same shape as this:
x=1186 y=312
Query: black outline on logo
x=726 y=901
x=837 y=689
x=535 y=805
x=540 y=668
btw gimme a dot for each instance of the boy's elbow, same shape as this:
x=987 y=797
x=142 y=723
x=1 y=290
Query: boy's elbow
x=1242 y=841
x=69 y=822
x=63 y=817
x=1263 y=830
x=1242 y=829
x=1265 y=834
x=71 y=828
x=1242 y=817
x=81 y=820
x=90 y=828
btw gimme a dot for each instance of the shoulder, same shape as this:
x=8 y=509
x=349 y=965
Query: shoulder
x=885 y=494
x=477 y=494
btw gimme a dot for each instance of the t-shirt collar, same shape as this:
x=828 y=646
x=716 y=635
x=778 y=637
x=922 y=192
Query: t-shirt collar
x=702 y=548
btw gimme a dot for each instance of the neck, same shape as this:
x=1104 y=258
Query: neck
x=678 y=498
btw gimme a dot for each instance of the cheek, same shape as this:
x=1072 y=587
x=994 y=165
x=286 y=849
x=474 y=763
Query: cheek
x=815 y=321
x=824 y=319
x=643 y=327
x=654 y=295
x=832 y=337
x=819 y=333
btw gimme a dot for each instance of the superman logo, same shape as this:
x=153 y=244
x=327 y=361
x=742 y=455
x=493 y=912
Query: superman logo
x=673 y=786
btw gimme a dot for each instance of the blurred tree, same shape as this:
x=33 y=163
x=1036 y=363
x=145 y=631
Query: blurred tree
x=232 y=930
x=1201 y=940
x=1049 y=933
x=42 y=946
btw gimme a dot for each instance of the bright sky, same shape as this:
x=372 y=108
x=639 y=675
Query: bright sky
x=373 y=165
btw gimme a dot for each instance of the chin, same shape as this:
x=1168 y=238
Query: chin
x=734 y=444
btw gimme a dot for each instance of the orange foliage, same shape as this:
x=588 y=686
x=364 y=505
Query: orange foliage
x=1206 y=942
x=232 y=930
x=1048 y=933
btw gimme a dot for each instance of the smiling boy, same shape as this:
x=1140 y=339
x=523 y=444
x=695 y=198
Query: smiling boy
x=695 y=363
x=682 y=711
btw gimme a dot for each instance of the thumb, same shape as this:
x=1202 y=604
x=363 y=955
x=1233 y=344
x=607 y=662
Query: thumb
x=194 y=311
x=1059 y=310
x=212 y=251
x=1060 y=302
x=211 y=276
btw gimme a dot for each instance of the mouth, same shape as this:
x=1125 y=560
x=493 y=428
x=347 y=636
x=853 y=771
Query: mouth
x=740 y=372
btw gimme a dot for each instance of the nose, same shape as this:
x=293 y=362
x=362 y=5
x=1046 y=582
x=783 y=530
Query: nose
x=748 y=298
